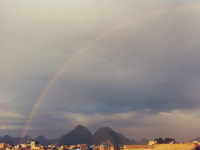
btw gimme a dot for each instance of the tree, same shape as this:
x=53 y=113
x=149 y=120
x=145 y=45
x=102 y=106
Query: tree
x=159 y=140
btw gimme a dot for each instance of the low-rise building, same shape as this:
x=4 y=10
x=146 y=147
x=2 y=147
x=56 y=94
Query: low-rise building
x=9 y=148
x=104 y=147
x=2 y=145
x=35 y=146
x=152 y=142
x=71 y=147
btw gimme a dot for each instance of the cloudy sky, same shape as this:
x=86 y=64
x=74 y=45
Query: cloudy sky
x=134 y=66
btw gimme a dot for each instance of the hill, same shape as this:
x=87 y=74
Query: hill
x=125 y=140
x=14 y=140
x=133 y=142
x=6 y=141
x=143 y=142
x=107 y=135
x=43 y=141
x=79 y=135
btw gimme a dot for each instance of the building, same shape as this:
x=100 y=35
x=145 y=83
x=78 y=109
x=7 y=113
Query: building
x=71 y=147
x=104 y=147
x=171 y=146
x=152 y=142
x=3 y=145
x=35 y=146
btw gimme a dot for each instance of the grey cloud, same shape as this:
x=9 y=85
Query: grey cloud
x=156 y=70
x=112 y=98
x=148 y=66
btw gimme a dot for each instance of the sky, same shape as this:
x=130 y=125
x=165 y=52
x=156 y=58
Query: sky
x=131 y=65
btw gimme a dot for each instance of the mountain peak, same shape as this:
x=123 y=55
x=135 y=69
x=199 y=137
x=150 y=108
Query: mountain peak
x=40 y=137
x=143 y=142
x=80 y=127
x=106 y=134
x=6 y=136
x=104 y=129
x=26 y=136
x=79 y=135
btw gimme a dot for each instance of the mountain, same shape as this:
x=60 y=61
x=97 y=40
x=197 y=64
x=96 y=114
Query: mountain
x=79 y=135
x=106 y=134
x=6 y=141
x=43 y=141
x=143 y=142
x=60 y=138
x=133 y=142
x=15 y=141
x=124 y=139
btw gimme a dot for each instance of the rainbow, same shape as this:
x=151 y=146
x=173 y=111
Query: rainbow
x=56 y=75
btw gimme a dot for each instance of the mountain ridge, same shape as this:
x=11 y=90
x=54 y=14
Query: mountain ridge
x=16 y=140
x=81 y=135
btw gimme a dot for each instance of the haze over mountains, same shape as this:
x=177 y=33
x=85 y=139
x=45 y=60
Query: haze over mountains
x=81 y=135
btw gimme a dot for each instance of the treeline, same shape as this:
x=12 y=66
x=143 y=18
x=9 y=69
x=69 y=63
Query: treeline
x=165 y=141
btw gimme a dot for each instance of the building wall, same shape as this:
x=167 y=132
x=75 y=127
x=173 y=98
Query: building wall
x=35 y=146
x=104 y=147
x=17 y=146
x=152 y=142
x=111 y=147
x=138 y=147
x=181 y=146
x=2 y=145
